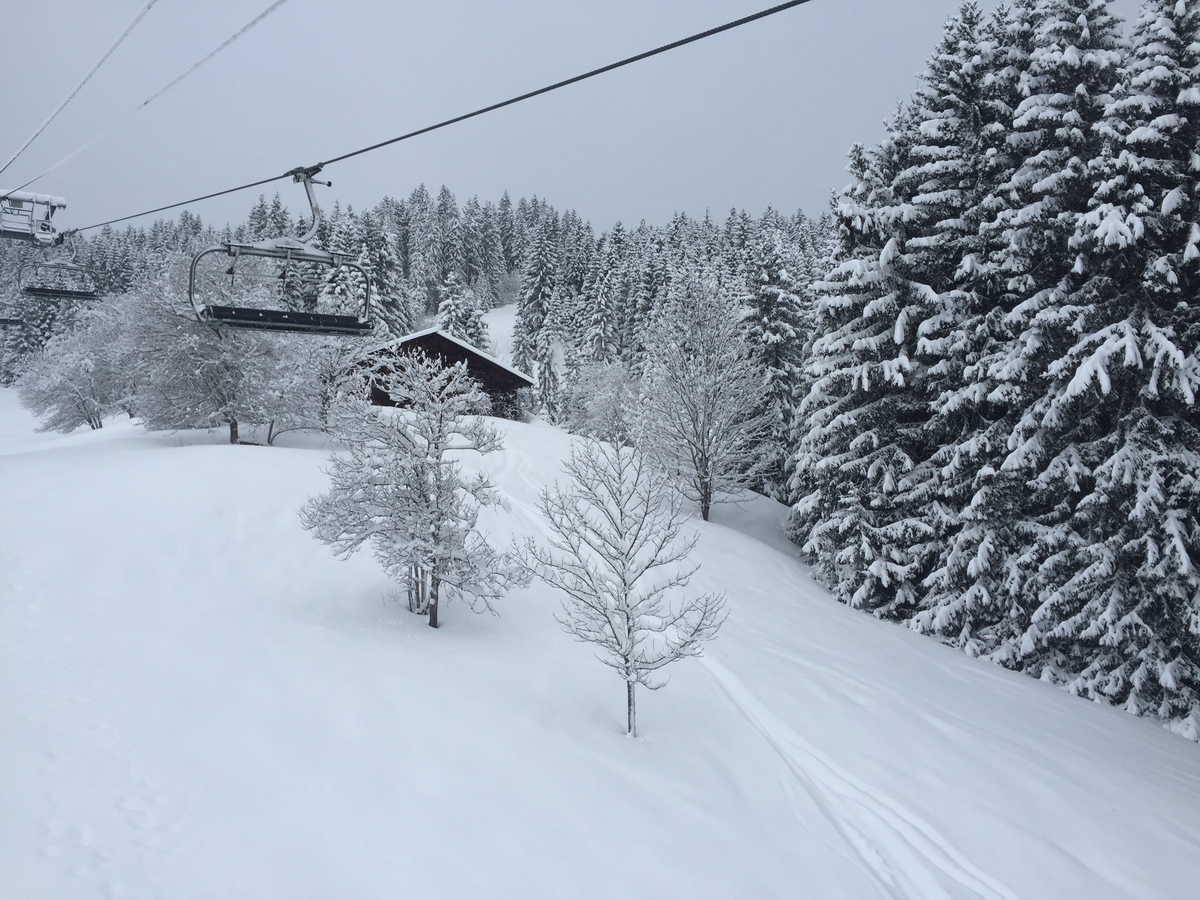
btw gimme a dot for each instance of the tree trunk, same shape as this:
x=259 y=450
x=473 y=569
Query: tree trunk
x=433 y=602
x=706 y=493
x=416 y=590
x=233 y=434
x=631 y=708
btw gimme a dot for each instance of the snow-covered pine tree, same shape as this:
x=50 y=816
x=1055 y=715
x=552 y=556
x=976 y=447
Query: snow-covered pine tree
x=343 y=290
x=537 y=287
x=643 y=285
x=974 y=598
x=472 y=241
x=493 y=273
x=1068 y=78
x=1116 y=436
x=547 y=359
x=391 y=300
x=775 y=328
x=940 y=202
x=506 y=224
x=736 y=244
x=601 y=336
x=868 y=404
x=483 y=266
x=450 y=236
x=524 y=221
x=577 y=248
x=258 y=225
x=459 y=313
x=278 y=221
x=424 y=250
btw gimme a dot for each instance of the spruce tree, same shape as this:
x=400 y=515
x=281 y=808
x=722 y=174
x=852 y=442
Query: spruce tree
x=774 y=328
x=1118 y=430
x=343 y=290
x=868 y=404
x=1068 y=76
x=537 y=287
x=459 y=313
x=601 y=342
x=506 y=222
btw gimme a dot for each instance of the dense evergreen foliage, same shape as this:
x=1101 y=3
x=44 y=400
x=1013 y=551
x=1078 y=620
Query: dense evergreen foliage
x=1001 y=440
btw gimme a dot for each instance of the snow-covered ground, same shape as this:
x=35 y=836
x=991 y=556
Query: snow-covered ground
x=197 y=700
x=500 y=322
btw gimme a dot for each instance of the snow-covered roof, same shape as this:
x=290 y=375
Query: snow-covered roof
x=34 y=198
x=470 y=347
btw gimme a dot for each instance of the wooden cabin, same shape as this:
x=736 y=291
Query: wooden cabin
x=499 y=381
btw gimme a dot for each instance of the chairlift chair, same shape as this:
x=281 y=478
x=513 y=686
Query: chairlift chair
x=26 y=216
x=290 y=251
x=59 y=278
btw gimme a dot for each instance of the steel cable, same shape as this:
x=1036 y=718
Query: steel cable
x=728 y=26
x=78 y=87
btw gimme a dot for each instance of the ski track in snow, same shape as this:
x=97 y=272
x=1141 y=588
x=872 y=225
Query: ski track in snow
x=908 y=857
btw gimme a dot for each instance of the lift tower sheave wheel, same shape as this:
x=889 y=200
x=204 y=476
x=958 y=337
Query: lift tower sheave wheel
x=289 y=251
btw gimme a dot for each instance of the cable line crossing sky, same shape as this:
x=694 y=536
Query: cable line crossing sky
x=728 y=26
x=762 y=115
x=58 y=109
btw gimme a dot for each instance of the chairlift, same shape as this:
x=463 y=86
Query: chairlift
x=60 y=278
x=6 y=322
x=26 y=216
x=292 y=253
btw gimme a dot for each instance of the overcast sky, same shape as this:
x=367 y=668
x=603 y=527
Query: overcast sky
x=761 y=115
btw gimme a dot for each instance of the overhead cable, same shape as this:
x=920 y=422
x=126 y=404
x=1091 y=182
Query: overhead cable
x=262 y=15
x=78 y=87
x=728 y=26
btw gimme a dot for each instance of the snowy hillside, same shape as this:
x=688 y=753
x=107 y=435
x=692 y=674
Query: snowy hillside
x=198 y=700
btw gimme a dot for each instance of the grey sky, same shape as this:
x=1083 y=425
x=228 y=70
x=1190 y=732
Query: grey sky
x=763 y=115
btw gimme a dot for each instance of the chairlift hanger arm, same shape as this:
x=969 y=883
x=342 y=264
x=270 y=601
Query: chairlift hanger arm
x=287 y=250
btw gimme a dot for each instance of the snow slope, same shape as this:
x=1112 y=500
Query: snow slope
x=197 y=700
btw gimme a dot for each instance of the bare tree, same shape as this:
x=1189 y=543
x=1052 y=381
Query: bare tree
x=704 y=416
x=615 y=550
x=401 y=489
x=600 y=401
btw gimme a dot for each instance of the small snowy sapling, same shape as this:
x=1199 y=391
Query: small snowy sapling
x=614 y=550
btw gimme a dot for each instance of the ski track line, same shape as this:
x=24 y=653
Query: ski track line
x=904 y=852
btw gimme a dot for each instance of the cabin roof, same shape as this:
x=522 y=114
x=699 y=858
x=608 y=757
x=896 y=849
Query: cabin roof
x=434 y=335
